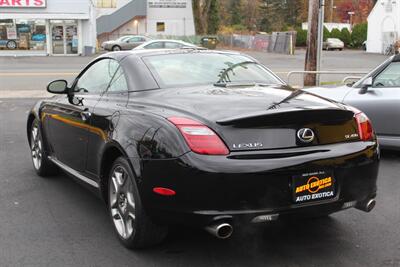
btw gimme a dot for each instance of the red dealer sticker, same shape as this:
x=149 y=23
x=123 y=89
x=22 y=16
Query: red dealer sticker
x=22 y=3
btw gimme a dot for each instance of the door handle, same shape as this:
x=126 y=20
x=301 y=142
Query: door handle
x=85 y=115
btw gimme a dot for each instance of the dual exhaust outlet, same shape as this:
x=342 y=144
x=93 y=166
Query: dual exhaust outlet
x=224 y=230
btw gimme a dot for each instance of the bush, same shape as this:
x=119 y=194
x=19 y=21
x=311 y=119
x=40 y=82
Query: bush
x=346 y=36
x=301 y=37
x=335 y=33
x=359 y=34
x=327 y=33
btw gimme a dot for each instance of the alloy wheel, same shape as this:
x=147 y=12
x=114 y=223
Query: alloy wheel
x=36 y=148
x=122 y=202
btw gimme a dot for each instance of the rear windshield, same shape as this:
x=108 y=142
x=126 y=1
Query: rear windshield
x=180 y=70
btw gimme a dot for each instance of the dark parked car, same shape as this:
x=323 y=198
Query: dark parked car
x=378 y=96
x=204 y=138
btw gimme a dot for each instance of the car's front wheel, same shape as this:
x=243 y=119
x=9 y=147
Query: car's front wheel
x=12 y=45
x=131 y=223
x=42 y=165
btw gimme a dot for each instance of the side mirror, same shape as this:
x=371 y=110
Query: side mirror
x=58 y=87
x=365 y=85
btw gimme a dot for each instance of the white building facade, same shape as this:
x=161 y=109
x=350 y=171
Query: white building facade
x=47 y=27
x=146 y=17
x=383 y=25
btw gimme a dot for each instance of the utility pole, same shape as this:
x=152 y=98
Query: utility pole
x=332 y=10
x=320 y=37
x=312 y=43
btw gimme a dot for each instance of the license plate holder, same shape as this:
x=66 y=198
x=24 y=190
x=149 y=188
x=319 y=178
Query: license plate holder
x=314 y=186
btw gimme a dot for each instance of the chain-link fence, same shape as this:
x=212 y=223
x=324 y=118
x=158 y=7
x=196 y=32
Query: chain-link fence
x=277 y=42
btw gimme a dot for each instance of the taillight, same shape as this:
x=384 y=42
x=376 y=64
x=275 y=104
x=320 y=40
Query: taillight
x=365 y=130
x=200 y=138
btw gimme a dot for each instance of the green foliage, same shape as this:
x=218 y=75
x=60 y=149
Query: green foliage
x=335 y=33
x=239 y=28
x=301 y=37
x=359 y=34
x=327 y=33
x=213 y=18
x=346 y=36
x=235 y=11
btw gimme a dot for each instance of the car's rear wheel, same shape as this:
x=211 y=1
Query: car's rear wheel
x=131 y=223
x=42 y=165
x=116 y=48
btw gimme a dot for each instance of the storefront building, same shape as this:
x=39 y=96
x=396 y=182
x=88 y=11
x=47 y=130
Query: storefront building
x=47 y=27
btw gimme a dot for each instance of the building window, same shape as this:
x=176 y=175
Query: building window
x=23 y=34
x=106 y=3
x=160 y=26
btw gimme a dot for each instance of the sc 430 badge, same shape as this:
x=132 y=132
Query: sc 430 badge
x=313 y=186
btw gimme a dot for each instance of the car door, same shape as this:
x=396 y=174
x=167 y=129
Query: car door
x=172 y=45
x=134 y=42
x=69 y=120
x=381 y=102
x=106 y=117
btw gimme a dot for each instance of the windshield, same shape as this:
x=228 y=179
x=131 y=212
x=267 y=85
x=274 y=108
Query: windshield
x=180 y=70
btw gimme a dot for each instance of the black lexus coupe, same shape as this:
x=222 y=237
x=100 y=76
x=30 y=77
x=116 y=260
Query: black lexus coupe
x=203 y=138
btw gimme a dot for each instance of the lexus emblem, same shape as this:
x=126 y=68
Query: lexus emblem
x=306 y=135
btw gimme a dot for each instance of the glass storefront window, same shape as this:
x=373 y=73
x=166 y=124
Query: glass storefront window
x=22 y=34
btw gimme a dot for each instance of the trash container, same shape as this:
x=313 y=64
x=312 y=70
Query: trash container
x=209 y=42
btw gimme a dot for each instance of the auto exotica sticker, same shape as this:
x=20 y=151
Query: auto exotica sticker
x=313 y=186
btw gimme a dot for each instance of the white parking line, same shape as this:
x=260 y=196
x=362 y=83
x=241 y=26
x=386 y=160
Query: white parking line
x=7 y=94
x=22 y=74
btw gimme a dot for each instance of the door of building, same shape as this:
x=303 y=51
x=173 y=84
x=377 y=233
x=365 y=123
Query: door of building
x=64 y=37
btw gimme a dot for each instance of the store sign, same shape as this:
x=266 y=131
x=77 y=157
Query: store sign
x=23 y=3
x=167 y=4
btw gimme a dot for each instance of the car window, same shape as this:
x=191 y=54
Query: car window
x=97 y=78
x=155 y=45
x=390 y=77
x=136 y=39
x=172 y=45
x=195 y=69
x=118 y=83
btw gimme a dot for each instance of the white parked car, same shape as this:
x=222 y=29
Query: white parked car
x=333 y=44
x=165 y=44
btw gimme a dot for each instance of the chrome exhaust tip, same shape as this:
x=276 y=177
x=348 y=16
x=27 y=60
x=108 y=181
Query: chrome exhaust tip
x=367 y=206
x=221 y=231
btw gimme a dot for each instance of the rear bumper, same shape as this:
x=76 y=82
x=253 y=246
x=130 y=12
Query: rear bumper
x=214 y=188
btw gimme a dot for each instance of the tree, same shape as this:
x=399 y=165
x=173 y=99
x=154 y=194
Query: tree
x=213 y=18
x=201 y=10
x=359 y=34
x=327 y=33
x=346 y=36
x=301 y=37
x=236 y=12
x=335 y=33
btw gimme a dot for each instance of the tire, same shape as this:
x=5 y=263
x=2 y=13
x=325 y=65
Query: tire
x=133 y=227
x=11 y=45
x=116 y=48
x=42 y=165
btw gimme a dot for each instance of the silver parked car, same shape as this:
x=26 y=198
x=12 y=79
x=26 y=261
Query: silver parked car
x=333 y=44
x=378 y=96
x=165 y=44
x=125 y=43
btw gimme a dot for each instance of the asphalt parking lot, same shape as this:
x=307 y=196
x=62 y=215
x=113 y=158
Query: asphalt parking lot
x=56 y=222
